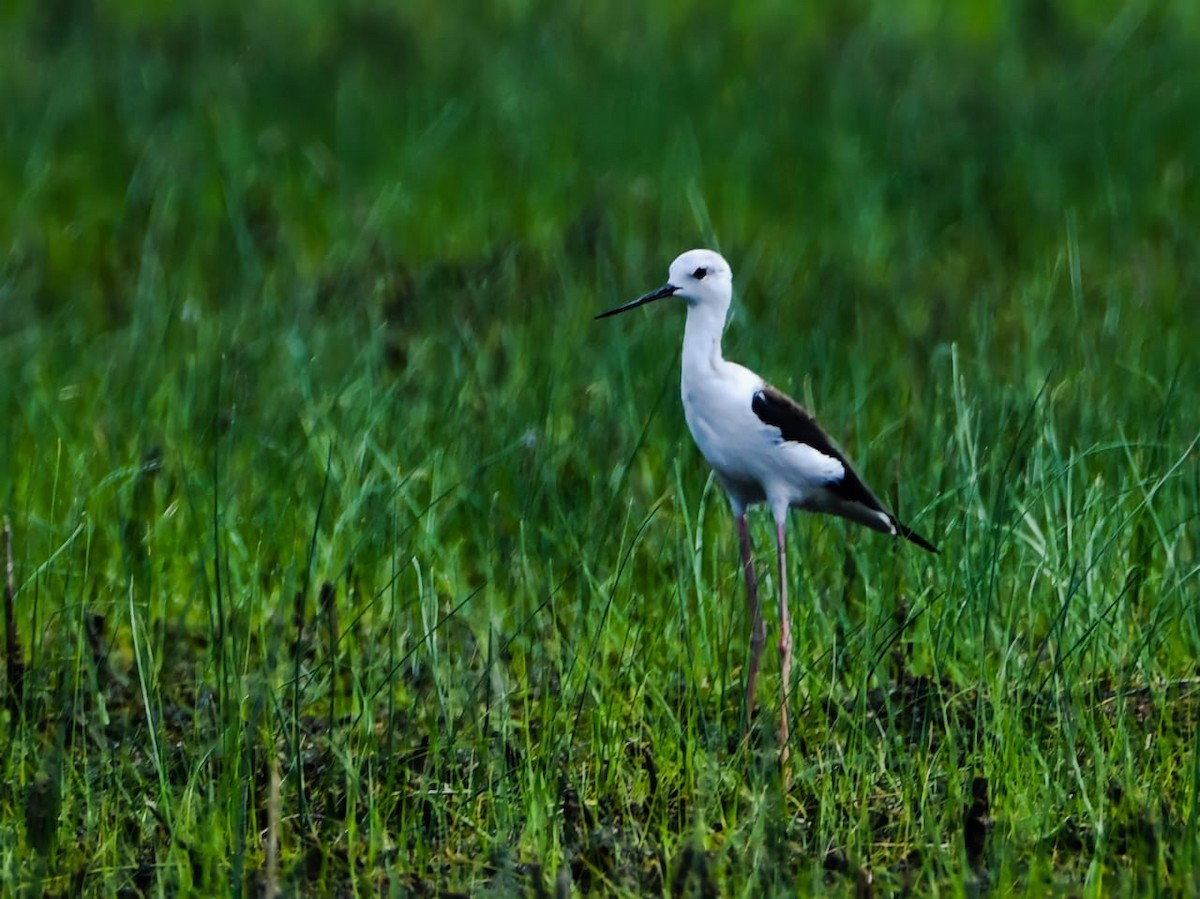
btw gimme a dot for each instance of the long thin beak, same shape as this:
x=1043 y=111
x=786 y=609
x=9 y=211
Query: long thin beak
x=665 y=291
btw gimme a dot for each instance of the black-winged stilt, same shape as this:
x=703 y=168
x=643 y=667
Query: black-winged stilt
x=762 y=445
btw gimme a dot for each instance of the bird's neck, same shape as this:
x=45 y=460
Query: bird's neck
x=702 y=338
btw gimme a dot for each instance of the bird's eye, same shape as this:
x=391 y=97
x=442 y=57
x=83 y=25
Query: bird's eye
x=699 y=273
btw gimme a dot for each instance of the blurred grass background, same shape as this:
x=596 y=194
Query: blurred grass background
x=321 y=476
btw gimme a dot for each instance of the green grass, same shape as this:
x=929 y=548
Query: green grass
x=339 y=526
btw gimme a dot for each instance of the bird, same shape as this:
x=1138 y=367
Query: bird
x=762 y=445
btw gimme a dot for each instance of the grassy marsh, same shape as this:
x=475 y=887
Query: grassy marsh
x=351 y=556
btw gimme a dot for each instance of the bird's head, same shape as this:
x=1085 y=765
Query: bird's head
x=698 y=277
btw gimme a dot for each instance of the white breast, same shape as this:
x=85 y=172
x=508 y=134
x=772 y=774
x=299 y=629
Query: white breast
x=718 y=405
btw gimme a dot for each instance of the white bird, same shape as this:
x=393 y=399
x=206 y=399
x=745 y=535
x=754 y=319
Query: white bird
x=762 y=445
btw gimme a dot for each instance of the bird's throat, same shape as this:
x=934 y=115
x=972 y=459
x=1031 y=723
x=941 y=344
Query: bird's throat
x=702 y=339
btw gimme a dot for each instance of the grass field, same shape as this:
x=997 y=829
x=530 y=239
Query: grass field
x=350 y=556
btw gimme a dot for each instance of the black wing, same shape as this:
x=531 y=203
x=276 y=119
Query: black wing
x=796 y=424
x=775 y=408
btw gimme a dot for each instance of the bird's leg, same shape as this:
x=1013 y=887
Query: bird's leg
x=758 y=631
x=785 y=643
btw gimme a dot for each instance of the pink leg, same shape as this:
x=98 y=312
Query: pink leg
x=758 y=631
x=785 y=642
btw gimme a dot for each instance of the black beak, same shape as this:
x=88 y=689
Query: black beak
x=665 y=291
